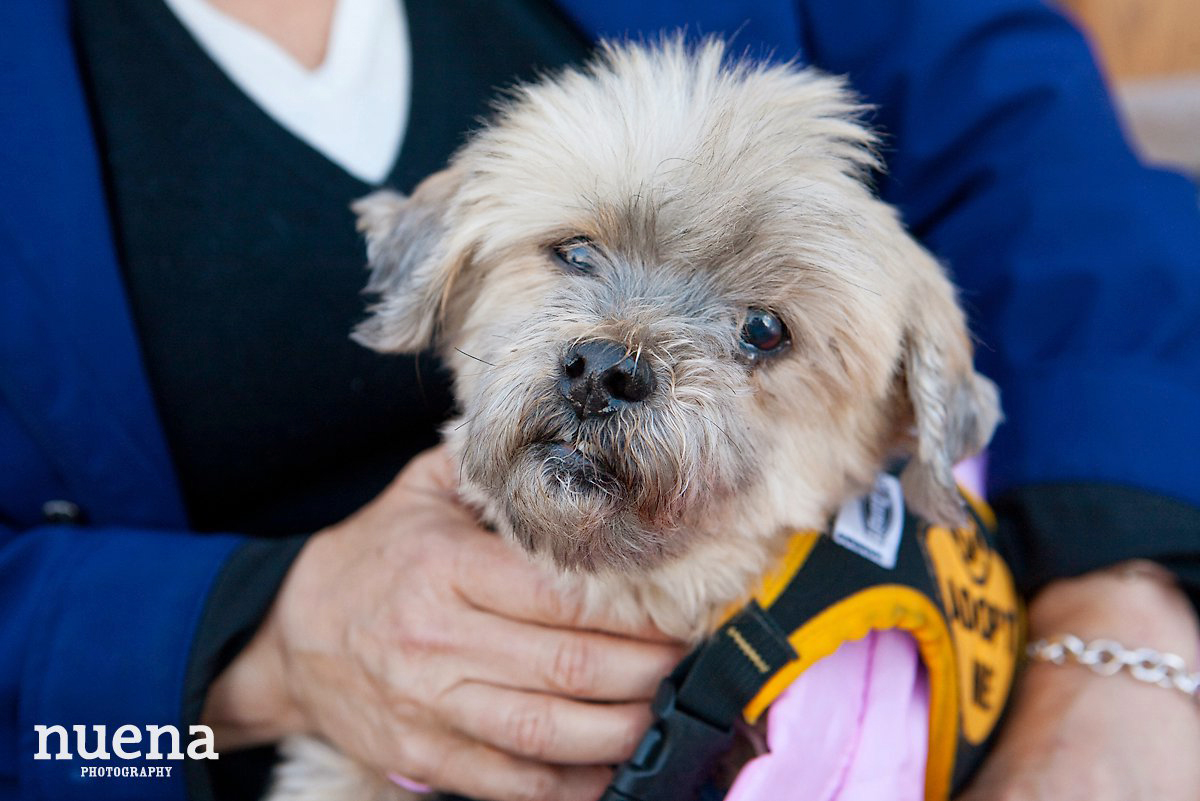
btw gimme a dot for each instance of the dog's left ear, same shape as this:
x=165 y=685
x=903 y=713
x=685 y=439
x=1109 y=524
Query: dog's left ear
x=954 y=408
x=412 y=265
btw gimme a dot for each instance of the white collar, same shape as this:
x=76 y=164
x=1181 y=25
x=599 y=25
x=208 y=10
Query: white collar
x=353 y=108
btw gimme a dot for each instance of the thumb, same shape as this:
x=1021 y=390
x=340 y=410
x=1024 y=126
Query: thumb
x=433 y=471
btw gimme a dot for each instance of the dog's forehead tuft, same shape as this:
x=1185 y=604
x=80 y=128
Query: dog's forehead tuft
x=669 y=143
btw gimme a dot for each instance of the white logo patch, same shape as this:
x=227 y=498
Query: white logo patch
x=871 y=526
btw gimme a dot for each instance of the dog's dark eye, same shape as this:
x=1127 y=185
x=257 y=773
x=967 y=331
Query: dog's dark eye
x=763 y=332
x=576 y=254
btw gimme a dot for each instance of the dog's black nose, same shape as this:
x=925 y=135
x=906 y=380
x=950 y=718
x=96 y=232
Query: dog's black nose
x=600 y=377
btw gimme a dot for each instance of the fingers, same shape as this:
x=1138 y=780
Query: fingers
x=545 y=728
x=482 y=772
x=577 y=664
x=492 y=575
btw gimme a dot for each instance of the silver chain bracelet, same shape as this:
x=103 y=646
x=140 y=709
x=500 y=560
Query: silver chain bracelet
x=1107 y=657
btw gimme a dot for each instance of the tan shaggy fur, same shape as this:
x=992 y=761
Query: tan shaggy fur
x=707 y=186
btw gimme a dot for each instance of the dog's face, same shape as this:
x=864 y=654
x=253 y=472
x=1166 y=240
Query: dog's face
x=670 y=304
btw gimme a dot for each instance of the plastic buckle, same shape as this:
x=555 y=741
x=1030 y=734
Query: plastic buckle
x=675 y=755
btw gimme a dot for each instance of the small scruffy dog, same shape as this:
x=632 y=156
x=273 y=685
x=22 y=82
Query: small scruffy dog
x=680 y=325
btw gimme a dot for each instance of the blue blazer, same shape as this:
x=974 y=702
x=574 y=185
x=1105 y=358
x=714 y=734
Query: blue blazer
x=1081 y=269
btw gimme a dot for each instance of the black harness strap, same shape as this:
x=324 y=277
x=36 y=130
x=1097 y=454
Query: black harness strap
x=697 y=706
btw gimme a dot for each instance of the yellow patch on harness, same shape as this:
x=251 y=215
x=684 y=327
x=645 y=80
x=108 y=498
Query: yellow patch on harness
x=985 y=621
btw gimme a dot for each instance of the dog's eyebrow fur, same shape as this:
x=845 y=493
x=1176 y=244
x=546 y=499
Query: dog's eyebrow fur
x=646 y=226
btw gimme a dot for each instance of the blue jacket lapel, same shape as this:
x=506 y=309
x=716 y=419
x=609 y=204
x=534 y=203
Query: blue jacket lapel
x=70 y=369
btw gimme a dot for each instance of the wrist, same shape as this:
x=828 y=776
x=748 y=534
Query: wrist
x=1136 y=603
x=248 y=704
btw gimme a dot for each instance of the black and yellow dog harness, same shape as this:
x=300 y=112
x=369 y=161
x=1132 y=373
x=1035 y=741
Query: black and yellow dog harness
x=879 y=567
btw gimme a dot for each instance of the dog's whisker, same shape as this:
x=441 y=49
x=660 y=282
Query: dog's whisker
x=713 y=423
x=476 y=358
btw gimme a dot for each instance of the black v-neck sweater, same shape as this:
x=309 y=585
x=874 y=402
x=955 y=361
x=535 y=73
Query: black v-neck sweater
x=244 y=269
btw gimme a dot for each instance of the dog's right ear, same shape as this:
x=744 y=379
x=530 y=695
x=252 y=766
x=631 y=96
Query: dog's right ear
x=412 y=270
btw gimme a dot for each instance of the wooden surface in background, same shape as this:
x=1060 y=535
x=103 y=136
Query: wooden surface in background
x=1142 y=38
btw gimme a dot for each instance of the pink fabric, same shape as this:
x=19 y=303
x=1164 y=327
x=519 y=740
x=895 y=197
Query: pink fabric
x=972 y=473
x=853 y=727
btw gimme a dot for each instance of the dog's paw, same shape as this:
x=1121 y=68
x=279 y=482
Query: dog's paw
x=311 y=770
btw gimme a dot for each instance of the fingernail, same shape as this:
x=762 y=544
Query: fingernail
x=409 y=784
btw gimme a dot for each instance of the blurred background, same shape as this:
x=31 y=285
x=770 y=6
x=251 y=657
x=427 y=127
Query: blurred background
x=1150 y=50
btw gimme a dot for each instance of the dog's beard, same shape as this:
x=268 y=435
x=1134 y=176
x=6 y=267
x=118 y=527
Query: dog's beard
x=575 y=510
x=619 y=493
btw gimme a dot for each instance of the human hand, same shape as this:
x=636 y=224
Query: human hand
x=1073 y=735
x=420 y=644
